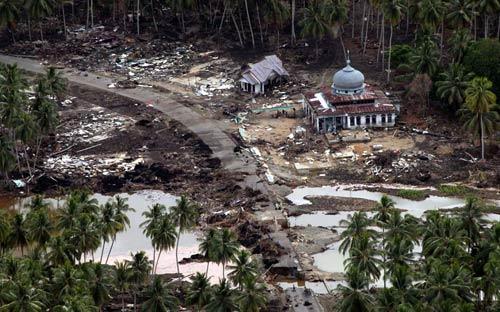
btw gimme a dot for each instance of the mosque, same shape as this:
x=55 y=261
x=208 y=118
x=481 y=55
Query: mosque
x=349 y=103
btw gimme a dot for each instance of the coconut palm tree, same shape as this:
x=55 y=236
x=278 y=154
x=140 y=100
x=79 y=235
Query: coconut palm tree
x=185 y=215
x=209 y=245
x=9 y=15
x=399 y=253
x=445 y=282
x=164 y=237
x=276 y=13
x=401 y=228
x=122 y=279
x=244 y=268
x=100 y=284
x=364 y=257
x=152 y=218
x=424 y=59
x=223 y=299
x=473 y=221
x=252 y=297
x=444 y=239
x=313 y=23
x=55 y=83
x=392 y=12
x=60 y=251
x=459 y=42
x=200 y=291
x=402 y=284
x=356 y=227
x=67 y=280
x=18 y=233
x=479 y=112
x=461 y=13
x=7 y=158
x=354 y=295
x=227 y=249
x=26 y=131
x=47 y=119
x=107 y=223
x=121 y=219
x=23 y=296
x=452 y=85
x=488 y=8
x=38 y=9
x=39 y=227
x=85 y=235
x=159 y=298
x=5 y=230
x=140 y=266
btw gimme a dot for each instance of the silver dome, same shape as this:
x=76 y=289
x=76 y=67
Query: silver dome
x=348 y=80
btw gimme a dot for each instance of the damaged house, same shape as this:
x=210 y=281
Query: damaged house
x=349 y=103
x=256 y=78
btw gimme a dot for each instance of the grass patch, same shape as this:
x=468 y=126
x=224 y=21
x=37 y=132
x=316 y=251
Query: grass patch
x=455 y=190
x=412 y=194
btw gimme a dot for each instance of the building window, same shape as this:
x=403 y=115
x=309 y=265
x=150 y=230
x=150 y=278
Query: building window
x=374 y=119
x=383 y=118
x=389 y=118
x=367 y=120
x=352 y=121
x=358 y=120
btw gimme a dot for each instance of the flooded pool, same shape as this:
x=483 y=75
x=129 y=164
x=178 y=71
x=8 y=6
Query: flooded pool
x=133 y=240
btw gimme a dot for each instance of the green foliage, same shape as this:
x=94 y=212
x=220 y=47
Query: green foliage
x=454 y=190
x=483 y=59
x=400 y=54
x=412 y=194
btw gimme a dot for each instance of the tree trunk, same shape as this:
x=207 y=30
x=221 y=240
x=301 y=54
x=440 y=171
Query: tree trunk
x=135 y=300
x=27 y=162
x=224 y=269
x=353 y=17
x=260 y=25
x=389 y=57
x=29 y=27
x=123 y=303
x=366 y=30
x=486 y=22
x=153 y=15
x=498 y=27
x=110 y=248
x=250 y=24
x=102 y=250
x=237 y=29
x=482 y=135
x=363 y=23
x=41 y=30
x=157 y=261
x=223 y=18
x=88 y=14
x=177 y=251
x=442 y=40
x=137 y=15
x=183 y=23
x=293 y=23
x=407 y=17
x=64 y=22
x=208 y=264
x=91 y=13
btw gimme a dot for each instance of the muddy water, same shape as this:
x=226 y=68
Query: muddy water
x=134 y=240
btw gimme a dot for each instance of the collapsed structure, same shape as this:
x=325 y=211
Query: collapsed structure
x=257 y=77
x=350 y=103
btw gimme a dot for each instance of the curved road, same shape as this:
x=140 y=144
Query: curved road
x=207 y=130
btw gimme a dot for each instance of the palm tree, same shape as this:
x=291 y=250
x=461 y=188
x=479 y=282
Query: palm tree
x=244 y=268
x=459 y=43
x=159 y=298
x=252 y=297
x=392 y=11
x=461 y=12
x=402 y=283
x=56 y=84
x=473 y=221
x=7 y=158
x=354 y=296
x=164 y=237
x=121 y=219
x=424 y=59
x=24 y=297
x=26 y=131
x=431 y=13
x=122 y=279
x=185 y=215
x=208 y=246
x=18 y=233
x=46 y=117
x=67 y=280
x=108 y=224
x=357 y=227
x=152 y=218
x=9 y=14
x=100 y=284
x=480 y=102
x=445 y=283
x=487 y=8
x=453 y=84
x=39 y=227
x=60 y=251
x=5 y=230
x=227 y=249
x=85 y=235
x=401 y=228
x=37 y=203
x=364 y=257
x=38 y=9
x=223 y=299
x=140 y=266
x=444 y=238
x=200 y=291
x=313 y=23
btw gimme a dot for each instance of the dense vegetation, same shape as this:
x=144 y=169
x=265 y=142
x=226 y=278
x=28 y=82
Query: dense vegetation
x=54 y=260
x=456 y=270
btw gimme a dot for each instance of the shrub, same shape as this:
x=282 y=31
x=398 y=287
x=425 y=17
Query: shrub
x=412 y=194
x=454 y=190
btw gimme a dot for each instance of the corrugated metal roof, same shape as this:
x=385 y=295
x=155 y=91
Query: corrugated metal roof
x=263 y=70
